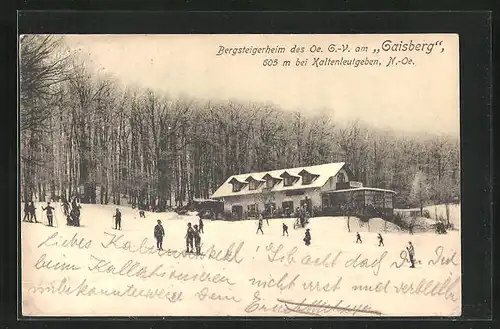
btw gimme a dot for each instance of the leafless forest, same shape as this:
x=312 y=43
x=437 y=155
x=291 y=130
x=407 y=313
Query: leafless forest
x=83 y=132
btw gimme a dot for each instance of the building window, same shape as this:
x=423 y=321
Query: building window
x=388 y=200
x=341 y=178
x=306 y=179
x=253 y=185
x=288 y=181
x=270 y=183
x=378 y=200
x=326 y=201
x=237 y=187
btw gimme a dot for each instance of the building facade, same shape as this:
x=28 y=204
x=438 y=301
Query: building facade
x=279 y=193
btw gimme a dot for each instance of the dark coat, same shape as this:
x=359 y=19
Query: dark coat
x=159 y=231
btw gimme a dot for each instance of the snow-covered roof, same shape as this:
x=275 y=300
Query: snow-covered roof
x=323 y=172
x=362 y=189
x=287 y=173
x=249 y=178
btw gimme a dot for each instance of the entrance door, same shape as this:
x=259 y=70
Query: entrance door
x=269 y=209
x=237 y=211
x=308 y=203
x=287 y=207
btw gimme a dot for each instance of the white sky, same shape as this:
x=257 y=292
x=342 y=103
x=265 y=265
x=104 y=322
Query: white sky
x=419 y=98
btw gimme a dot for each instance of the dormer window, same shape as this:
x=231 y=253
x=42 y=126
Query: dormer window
x=253 y=183
x=270 y=180
x=307 y=177
x=237 y=184
x=341 y=178
x=288 y=181
x=237 y=187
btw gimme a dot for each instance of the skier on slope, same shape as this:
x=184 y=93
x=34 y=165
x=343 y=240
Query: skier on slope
x=75 y=216
x=411 y=253
x=189 y=238
x=32 y=212
x=26 y=211
x=74 y=204
x=159 y=234
x=197 y=240
x=307 y=238
x=50 y=215
x=118 y=219
x=201 y=225
x=65 y=205
x=285 y=229
x=358 y=238
x=380 y=240
x=259 y=228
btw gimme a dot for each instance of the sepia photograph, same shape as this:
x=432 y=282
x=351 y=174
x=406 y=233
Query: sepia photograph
x=250 y=175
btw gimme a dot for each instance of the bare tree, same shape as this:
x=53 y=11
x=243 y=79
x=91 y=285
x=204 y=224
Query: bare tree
x=420 y=191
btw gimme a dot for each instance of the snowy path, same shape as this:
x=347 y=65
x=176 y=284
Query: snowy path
x=240 y=271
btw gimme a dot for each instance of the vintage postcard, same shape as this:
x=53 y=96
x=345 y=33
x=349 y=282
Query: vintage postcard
x=240 y=175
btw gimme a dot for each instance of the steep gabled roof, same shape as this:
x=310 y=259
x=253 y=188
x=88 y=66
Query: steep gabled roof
x=250 y=178
x=271 y=176
x=304 y=171
x=323 y=172
x=286 y=173
x=236 y=180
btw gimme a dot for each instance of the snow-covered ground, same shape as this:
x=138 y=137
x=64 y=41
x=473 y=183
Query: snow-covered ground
x=100 y=275
x=436 y=211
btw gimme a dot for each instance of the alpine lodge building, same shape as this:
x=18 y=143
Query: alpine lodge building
x=322 y=189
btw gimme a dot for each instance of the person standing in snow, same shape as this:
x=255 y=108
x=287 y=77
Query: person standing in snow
x=411 y=253
x=358 y=238
x=197 y=240
x=380 y=240
x=50 y=215
x=189 y=238
x=159 y=233
x=65 y=206
x=74 y=204
x=26 y=211
x=201 y=225
x=142 y=214
x=118 y=219
x=285 y=229
x=75 y=216
x=307 y=238
x=259 y=228
x=32 y=212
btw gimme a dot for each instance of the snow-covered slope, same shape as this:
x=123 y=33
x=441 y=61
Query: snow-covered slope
x=233 y=255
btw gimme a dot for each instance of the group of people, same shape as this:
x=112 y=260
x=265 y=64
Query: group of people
x=193 y=234
x=307 y=238
x=302 y=215
x=193 y=237
x=379 y=238
x=72 y=212
x=30 y=213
